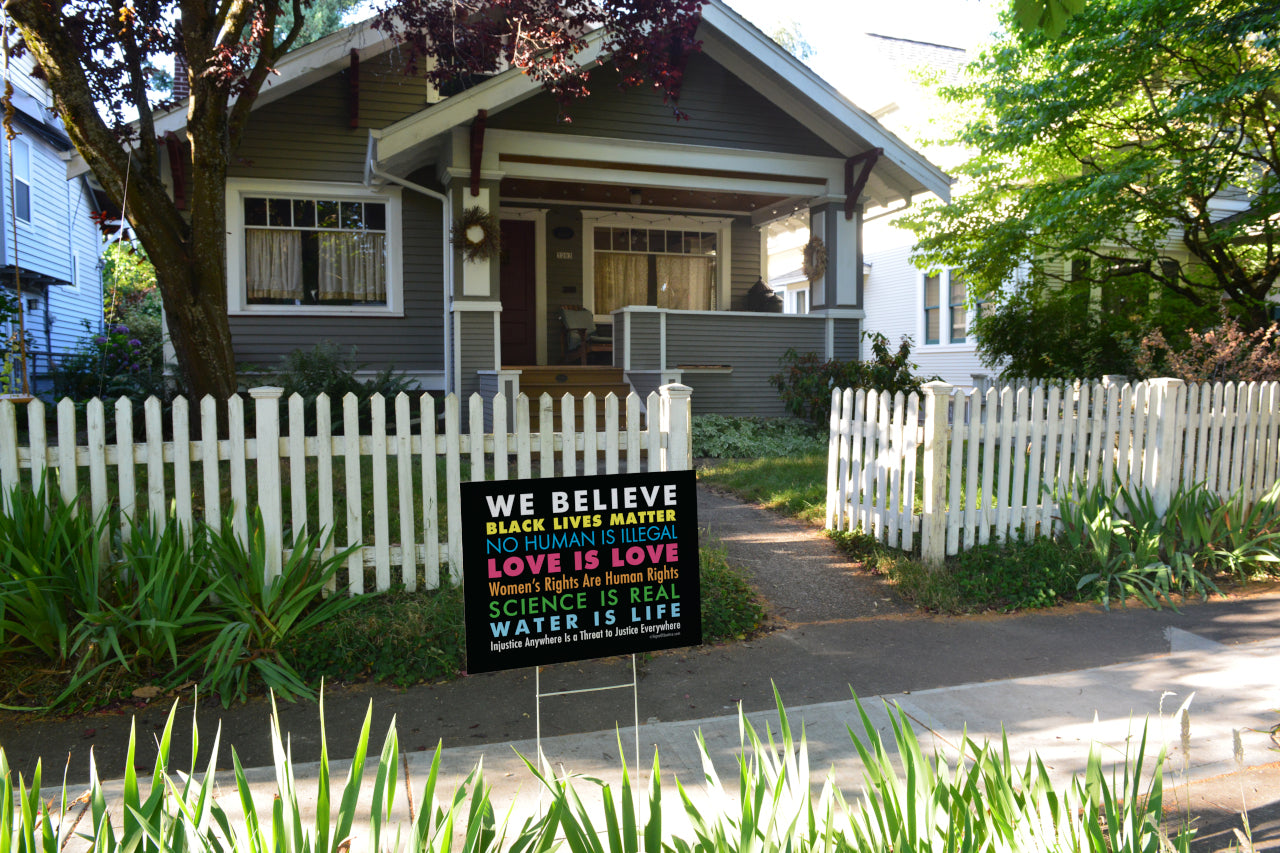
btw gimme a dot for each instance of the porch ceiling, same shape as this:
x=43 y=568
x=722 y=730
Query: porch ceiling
x=618 y=195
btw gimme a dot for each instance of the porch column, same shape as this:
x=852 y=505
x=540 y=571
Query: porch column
x=841 y=286
x=475 y=305
x=838 y=293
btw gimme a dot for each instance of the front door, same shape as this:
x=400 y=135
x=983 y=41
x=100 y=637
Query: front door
x=518 y=280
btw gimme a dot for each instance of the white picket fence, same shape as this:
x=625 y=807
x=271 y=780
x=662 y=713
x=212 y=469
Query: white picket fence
x=190 y=478
x=992 y=464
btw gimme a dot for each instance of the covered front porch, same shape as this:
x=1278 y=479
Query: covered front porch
x=656 y=229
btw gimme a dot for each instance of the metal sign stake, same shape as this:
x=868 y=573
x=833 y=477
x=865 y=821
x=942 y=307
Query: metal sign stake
x=635 y=705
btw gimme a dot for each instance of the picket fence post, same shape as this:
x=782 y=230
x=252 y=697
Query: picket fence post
x=933 y=522
x=266 y=404
x=676 y=423
x=1164 y=398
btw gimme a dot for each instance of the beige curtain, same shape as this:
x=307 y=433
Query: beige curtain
x=352 y=266
x=621 y=279
x=273 y=264
x=684 y=282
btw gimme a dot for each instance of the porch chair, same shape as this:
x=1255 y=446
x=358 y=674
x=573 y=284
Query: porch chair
x=580 y=337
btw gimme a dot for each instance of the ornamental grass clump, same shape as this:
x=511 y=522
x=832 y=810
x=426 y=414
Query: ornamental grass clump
x=979 y=800
x=1152 y=556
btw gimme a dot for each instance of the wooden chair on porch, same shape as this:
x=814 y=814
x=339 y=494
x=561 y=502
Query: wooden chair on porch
x=579 y=335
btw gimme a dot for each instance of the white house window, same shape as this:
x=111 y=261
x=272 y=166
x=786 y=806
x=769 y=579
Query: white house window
x=959 y=321
x=654 y=266
x=312 y=248
x=315 y=251
x=932 y=309
x=22 y=179
x=653 y=259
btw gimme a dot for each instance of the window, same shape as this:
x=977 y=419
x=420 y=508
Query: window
x=654 y=266
x=959 y=322
x=657 y=260
x=312 y=249
x=22 y=179
x=932 y=312
x=802 y=302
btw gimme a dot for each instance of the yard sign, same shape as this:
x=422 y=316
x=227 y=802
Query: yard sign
x=579 y=567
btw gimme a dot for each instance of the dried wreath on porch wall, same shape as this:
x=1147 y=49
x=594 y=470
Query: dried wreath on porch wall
x=815 y=258
x=476 y=234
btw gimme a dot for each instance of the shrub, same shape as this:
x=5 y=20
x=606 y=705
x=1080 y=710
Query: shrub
x=806 y=381
x=113 y=363
x=1224 y=353
x=331 y=370
x=728 y=437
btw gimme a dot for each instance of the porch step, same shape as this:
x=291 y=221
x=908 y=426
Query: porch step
x=576 y=380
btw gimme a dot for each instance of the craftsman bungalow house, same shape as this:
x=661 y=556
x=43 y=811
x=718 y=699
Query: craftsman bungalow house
x=343 y=194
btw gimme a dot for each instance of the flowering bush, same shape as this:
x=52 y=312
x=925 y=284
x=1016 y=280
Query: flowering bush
x=112 y=363
x=1225 y=353
x=806 y=381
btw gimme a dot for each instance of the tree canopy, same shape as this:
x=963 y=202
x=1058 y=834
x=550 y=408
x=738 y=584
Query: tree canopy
x=1123 y=173
x=99 y=56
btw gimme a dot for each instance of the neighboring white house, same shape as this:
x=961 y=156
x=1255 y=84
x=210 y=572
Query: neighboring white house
x=786 y=239
x=898 y=299
x=50 y=247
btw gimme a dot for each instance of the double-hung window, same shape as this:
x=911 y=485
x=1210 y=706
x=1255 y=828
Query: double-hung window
x=22 y=179
x=959 y=320
x=318 y=248
x=932 y=309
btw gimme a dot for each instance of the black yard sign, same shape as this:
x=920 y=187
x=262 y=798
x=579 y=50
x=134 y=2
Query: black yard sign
x=579 y=567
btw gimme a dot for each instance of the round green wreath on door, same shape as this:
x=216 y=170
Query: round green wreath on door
x=476 y=234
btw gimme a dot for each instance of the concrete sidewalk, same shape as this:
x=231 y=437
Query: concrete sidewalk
x=1233 y=689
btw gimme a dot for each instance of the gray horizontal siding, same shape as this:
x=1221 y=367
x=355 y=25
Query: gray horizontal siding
x=744 y=260
x=749 y=343
x=723 y=111
x=847 y=342
x=414 y=342
x=646 y=343
x=477 y=348
x=330 y=149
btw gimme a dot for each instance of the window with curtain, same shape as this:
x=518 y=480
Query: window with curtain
x=315 y=251
x=653 y=266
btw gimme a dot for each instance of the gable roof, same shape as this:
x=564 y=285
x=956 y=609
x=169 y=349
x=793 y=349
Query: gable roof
x=727 y=38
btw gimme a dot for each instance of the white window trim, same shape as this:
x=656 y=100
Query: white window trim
x=944 y=343
x=591 y=219
x=20 y=144
x=237 y=301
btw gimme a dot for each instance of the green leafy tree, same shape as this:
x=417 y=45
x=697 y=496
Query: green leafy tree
x=788 y=35
x=1124 y=171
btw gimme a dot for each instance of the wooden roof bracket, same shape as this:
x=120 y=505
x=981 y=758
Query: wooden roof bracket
x=853 y=187
x=353 y=90
x=477 y=149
